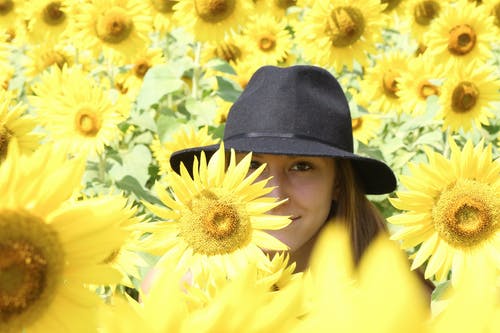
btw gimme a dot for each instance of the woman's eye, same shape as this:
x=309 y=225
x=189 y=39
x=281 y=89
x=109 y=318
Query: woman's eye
x=301 y=166
x=255 y=165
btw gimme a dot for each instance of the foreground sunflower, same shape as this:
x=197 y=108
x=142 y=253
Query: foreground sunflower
x=77 y=111
x=468 y=97
x=452 y=210
x=337 y=33
x=463 y=32
x=216 y=219
x=380 y=289
x=51 y=248
x=211 y=20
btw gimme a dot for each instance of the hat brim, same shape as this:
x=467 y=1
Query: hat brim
x=376 y=176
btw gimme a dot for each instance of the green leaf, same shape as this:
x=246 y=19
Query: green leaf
x=135 y=163
x=167 y=124
x=131 y=185
x=202 y=111
x=228 y=90
x=144 y=119
x=158 y=81
x=221 y=66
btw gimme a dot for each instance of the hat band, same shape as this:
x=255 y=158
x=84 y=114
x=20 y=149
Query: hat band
x=279 y=135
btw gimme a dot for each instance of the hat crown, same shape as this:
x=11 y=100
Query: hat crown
x=299 y=101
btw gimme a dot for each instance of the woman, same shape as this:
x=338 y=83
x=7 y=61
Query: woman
x=297 y=121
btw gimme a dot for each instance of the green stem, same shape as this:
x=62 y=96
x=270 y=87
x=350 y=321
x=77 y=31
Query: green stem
x=101 y=168
x=196 y=70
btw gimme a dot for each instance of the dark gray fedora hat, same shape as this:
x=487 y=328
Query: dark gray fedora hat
x=296 y=110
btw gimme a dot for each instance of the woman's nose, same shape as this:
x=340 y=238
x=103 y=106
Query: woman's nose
x=277 y=181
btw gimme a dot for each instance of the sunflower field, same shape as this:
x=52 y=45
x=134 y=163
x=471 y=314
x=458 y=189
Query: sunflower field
x=97 y=94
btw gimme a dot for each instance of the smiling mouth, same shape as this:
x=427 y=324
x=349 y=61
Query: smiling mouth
x=293 y=218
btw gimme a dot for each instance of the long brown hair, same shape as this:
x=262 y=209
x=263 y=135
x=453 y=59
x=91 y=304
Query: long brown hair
x=364 y=221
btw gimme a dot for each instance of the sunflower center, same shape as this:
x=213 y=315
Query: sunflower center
x=5 y=135
x=462 y=39
x=228 y=52
x=345 y=26
x=427 y=89
x=6 y=6
x=467 y=213
x=52 y=13
x=267 y=43
x=495 y=11
x=213 y=11
x=425 y=11
x=390 y=83
x=284 y=4
x=87 y=122
x=464 y=97
x=164 y=6
x=140 y=68
x=214 y=225
x=356 y=123
x=391 y=4
x=31 y=264
x=114 y=25
x=54 y=58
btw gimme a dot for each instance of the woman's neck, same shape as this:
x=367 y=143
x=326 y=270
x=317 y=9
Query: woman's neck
x=302 y=255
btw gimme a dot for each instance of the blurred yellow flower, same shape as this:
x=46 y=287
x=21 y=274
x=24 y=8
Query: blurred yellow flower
x=380 y=295
x=452 y=211
x=51 y=249
x=162 y=12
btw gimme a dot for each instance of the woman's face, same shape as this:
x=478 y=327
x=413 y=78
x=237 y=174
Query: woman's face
x=309 y=185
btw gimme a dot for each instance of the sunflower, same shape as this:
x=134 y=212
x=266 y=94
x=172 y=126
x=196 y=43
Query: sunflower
x=9 y=15
x=419 y=81
x=366 y=127
x=380 y=83
x=162 y=12
x=222 y=111
x=336 y=34
x=380 y=290
x=217 y=218
x=41 y=57
x=141 y=62
x=453 y=210
x=462 y=33
x=420 y=14
x=118 y=28
x=76 y=111
x=47 y=20
x=231 y=49
x=493 y=6
x=211 y=20
x=184 y=137
x=468 y=95
x=51 y=249
x=269 y=39
x=14 y=123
